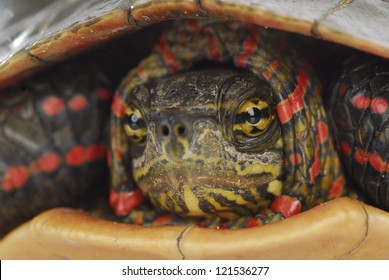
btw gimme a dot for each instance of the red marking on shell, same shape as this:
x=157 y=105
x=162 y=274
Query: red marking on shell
x=52 y=105
x=345 y=147
x=123 y=202
x=322 y=131
x=377 y=162
x=48 y=162
x=95 y=152
x=253 y=222
x=76 y=156
x=336 y=188
x=286 y=205
x=343 y=89
x=295 y=158
x=78 y=103
x=360 y=101
x=104 y=94
x=249 y=47
x=379 y=105
x=284 y=111
x=15 y=177
x=167 y=54
x=315 y=168
x=361 y=156
x=118 y=105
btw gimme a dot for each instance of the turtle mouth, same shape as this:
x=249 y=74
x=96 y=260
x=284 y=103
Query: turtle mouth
x=214 y=196
x=214 y=186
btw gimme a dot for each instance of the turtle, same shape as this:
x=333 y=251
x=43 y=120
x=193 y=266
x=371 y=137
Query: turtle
x=269 y=122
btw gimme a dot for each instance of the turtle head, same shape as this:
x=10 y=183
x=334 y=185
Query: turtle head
x=205 y=142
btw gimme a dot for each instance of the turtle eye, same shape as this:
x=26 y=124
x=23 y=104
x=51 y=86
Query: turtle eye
x=252 y=118
x=134 y=124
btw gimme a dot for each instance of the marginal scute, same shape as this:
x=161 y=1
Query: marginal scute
x=297 y=17
x=347 y=229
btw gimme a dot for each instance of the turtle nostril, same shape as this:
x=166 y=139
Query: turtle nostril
x=175 y=130
x=180 y=130
x=165 y=130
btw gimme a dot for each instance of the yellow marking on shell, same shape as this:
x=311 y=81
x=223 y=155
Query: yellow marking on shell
x=275 y=187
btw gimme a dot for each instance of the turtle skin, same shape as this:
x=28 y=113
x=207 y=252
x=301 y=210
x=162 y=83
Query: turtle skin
x=284 y=188
x=53 y=142
x=50 y=138
x=287 y=186
x=358 y=109
x=79 y=122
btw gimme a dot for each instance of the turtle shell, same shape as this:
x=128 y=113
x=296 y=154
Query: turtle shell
x=63 y=28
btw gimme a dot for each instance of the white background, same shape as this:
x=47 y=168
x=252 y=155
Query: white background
x=112 y=270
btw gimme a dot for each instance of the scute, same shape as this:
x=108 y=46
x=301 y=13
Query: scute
x=78 y=25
